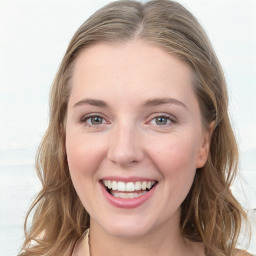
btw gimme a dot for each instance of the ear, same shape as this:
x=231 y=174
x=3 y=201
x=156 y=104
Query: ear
x=205 y=146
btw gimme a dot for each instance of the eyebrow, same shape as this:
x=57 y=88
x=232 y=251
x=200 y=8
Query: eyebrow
x=93 y=102
x=148 y=103
x=161 y=101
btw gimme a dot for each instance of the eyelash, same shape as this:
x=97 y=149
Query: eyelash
x=170 y=119
x=85 y=119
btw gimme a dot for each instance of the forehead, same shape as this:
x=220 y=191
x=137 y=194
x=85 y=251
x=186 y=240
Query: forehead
x=134 y=68
x=123 y=56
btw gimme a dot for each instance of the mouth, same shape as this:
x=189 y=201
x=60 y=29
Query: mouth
x=124 y=190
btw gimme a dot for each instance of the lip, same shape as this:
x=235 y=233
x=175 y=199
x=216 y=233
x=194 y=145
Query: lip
x=126 y=179
x=126 y=203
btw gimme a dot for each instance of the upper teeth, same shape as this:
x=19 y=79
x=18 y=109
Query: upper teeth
x=128 y=186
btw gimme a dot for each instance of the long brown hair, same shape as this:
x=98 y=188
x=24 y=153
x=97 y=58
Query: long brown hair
x=210 y=213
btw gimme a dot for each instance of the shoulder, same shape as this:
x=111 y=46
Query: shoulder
x=82 y=246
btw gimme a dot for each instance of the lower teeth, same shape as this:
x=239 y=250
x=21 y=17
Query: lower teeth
x=128 y=195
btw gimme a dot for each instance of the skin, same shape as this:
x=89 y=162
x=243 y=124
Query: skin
x=129 y=142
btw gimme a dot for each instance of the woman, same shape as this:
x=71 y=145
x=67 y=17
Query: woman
x=139 y=154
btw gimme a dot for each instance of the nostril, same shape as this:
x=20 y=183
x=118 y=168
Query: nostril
x=124 y=158
x=125 y=147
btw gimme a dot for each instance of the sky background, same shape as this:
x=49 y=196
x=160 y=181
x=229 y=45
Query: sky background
x=34 y=35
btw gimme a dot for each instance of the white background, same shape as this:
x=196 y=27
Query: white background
x=34 y=35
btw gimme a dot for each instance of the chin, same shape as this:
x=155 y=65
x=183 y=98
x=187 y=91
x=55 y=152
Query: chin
x=128 y=228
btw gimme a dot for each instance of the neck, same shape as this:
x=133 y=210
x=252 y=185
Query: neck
x=166 y=240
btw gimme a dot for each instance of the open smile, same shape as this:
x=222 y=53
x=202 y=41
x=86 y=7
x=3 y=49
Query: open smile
x=129 y=194
x=123 y=189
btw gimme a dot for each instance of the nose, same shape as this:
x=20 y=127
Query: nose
x=125 y=146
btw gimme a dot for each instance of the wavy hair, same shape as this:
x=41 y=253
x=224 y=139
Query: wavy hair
x=210 y=213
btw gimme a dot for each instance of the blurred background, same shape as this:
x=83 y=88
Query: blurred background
x=34 y=35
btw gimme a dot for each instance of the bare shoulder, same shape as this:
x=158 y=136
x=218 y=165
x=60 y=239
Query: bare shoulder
x=241 y=253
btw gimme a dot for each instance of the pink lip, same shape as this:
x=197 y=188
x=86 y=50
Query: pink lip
x=127 y=203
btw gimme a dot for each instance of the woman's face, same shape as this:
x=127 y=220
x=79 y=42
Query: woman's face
x=133 y=122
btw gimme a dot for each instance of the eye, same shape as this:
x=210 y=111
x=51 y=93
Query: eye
x=162 y=120
x=93 y=121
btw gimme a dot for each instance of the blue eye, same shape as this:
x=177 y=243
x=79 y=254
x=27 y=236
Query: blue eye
x=93 y=120
x=162 y=120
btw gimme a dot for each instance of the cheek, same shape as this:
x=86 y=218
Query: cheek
x=81 y=154
x=180 y=169
x=176 y=161
x=176 y=152
x=83 y=159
